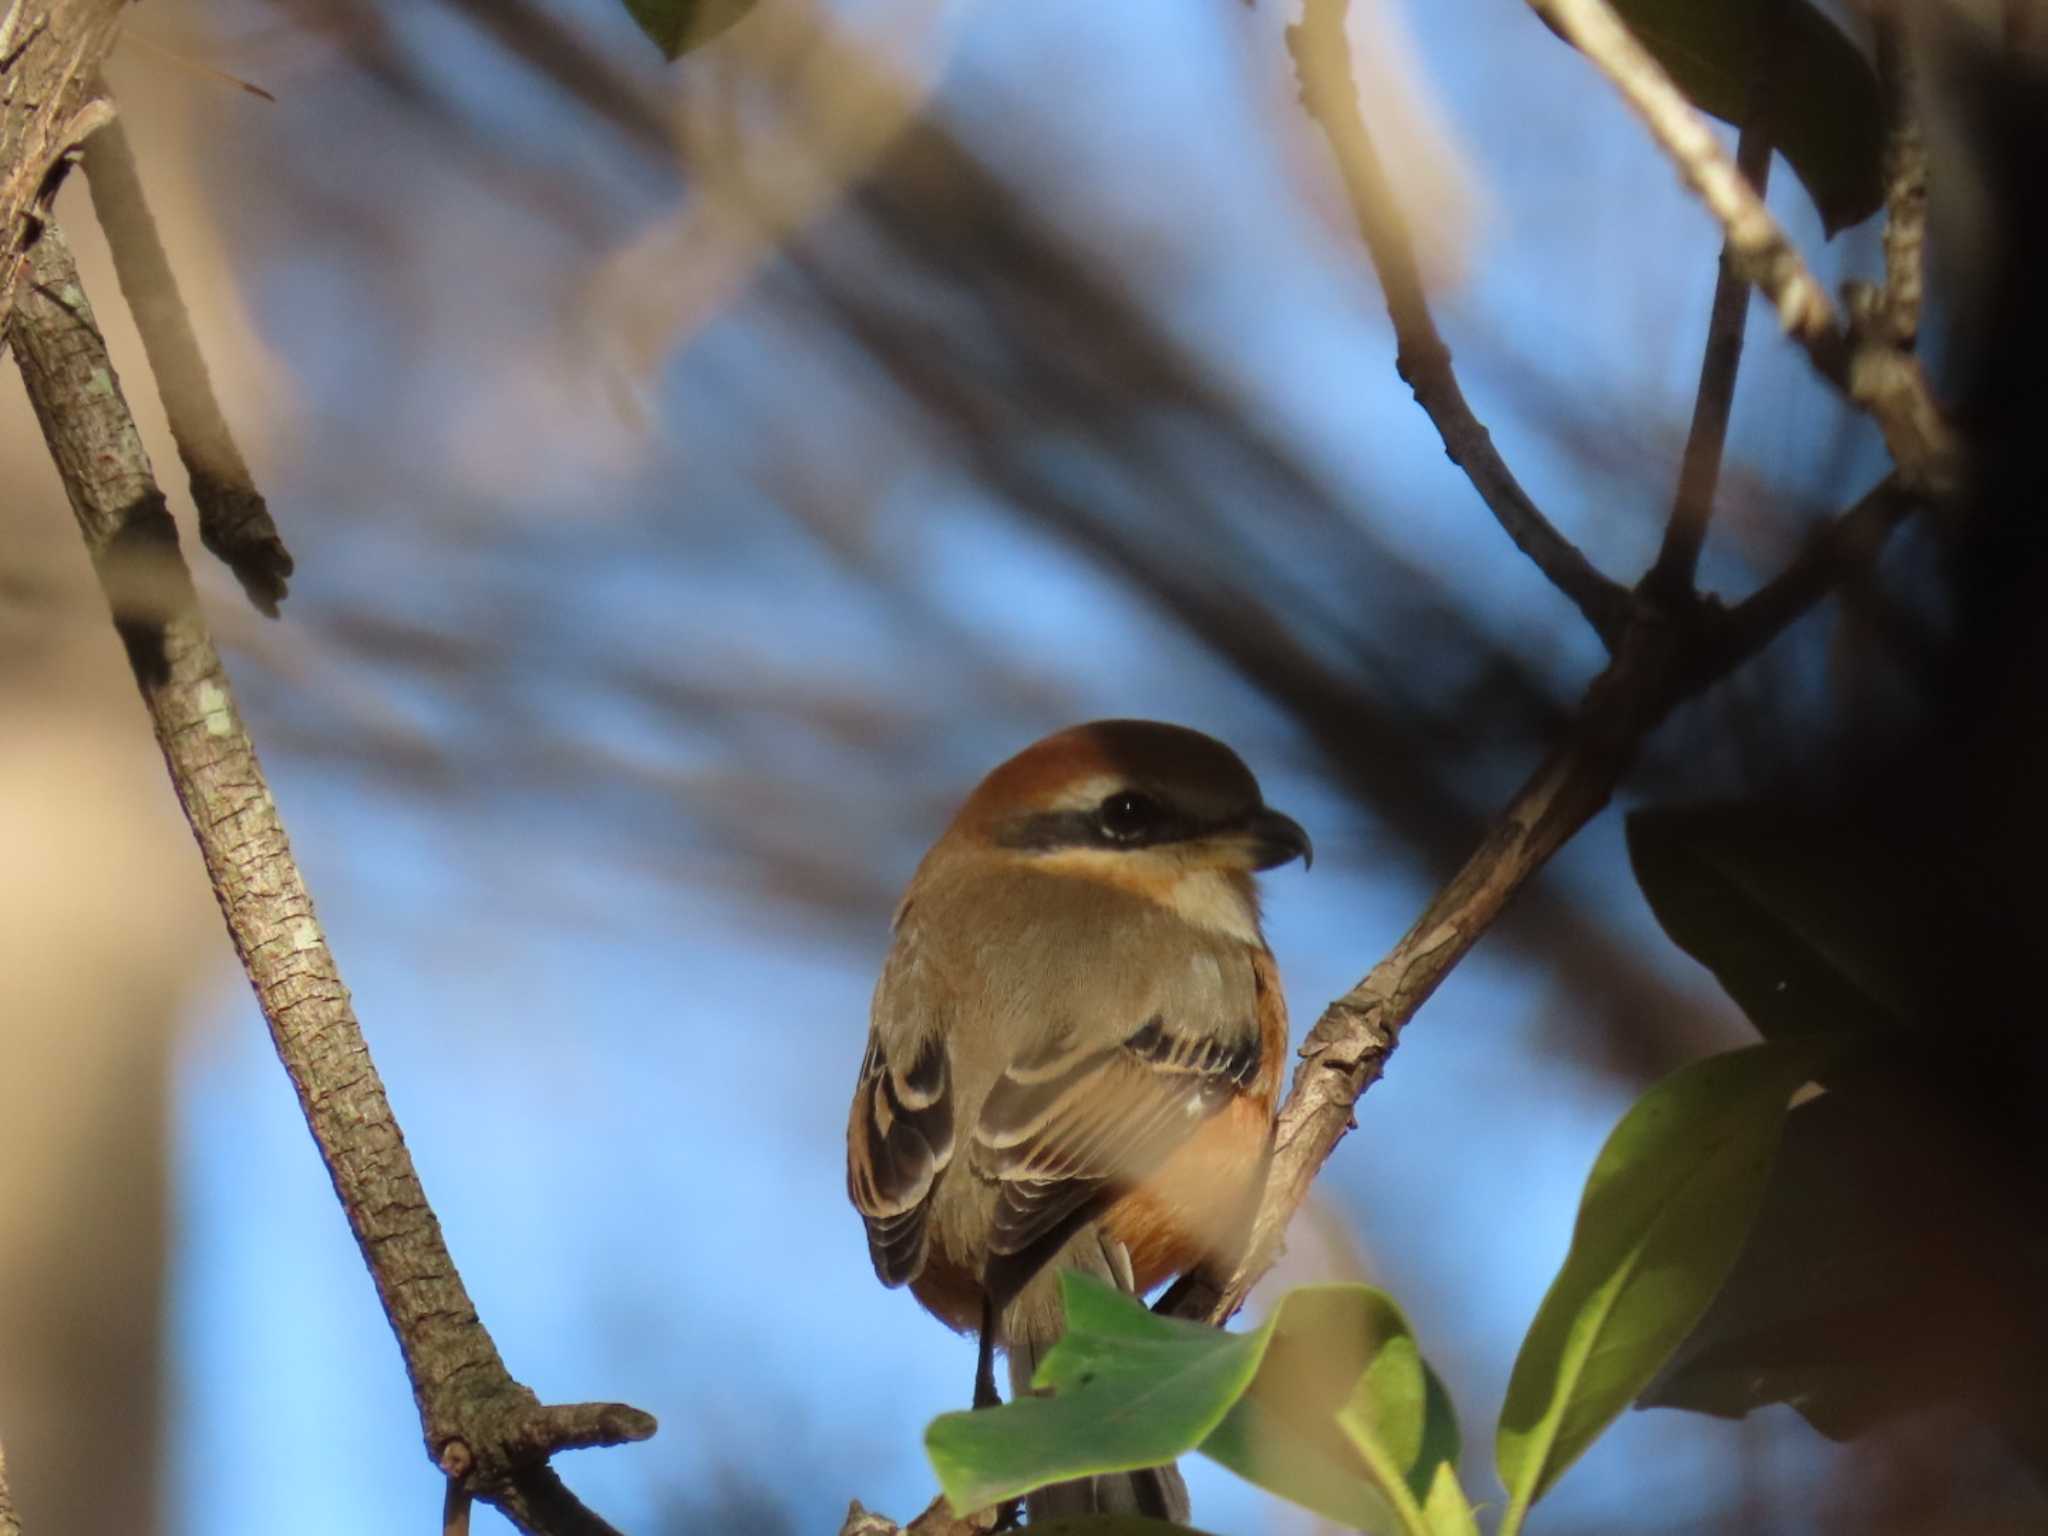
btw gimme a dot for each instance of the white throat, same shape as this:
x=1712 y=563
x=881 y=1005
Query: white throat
x=1215 y=901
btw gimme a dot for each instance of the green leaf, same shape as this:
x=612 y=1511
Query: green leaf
x=1664 y=1215
x=1130 y=1389
x=1447 y=1511
x=1327 y=1402
x=1827 y=111
x=1111 y=1525
x=1810 y=928
x=1338 y=1417
x=1883 y=1275
x=677 y=26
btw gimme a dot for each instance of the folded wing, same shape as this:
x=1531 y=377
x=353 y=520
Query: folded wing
x=899 y=1140
x=1068 y=1129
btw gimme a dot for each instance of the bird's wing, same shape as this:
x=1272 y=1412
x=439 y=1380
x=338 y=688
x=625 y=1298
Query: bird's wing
x=1072 y=1125
x=899 y=1139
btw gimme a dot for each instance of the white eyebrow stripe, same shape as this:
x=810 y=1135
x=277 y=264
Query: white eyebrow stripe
x=1088 y=792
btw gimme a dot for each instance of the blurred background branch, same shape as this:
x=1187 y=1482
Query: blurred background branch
x=234 y=522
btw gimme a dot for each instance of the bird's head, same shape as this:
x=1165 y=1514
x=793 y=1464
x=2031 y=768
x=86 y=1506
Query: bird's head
x=1154 y=808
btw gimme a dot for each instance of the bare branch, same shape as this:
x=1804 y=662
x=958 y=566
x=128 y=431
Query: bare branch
x=1699 y=472
x=1665 y=658
x=1322 y=65
x=1877 y=377
x=234 y=521
x=481 y=1426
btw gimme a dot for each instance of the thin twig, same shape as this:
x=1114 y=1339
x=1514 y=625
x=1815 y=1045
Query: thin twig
x=1877 y=377
x=1664 y=659
x=1699 y=472
x=234 y=521
x=1322 y=65
x=481 y=1426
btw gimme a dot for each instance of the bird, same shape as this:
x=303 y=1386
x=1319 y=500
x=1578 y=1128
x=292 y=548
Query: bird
x=1075 y=1047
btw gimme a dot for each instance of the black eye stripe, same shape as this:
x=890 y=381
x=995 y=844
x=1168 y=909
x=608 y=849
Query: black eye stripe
x=1045 y=831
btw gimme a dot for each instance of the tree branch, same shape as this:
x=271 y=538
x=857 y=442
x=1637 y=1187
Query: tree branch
x=1666 y=656
x=1692 y=507
x=1877 y=377
x=50 y=57
x=481 y=1426
x=234 y=521
x=1322 y=64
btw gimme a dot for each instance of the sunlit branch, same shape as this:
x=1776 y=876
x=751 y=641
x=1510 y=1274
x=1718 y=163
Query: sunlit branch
x=50 y=57
x=1322 y=65
x=1877 y=377
x=481 y=1426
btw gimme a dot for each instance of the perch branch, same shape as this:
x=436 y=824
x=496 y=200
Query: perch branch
x=1322 y=65
x=481 y=1426
x=1876 y=376
x=234 y=521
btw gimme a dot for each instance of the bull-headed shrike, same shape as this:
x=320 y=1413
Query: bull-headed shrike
x=1076 y=1045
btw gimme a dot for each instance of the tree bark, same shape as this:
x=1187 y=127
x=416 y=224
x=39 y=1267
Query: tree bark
x=50 y=57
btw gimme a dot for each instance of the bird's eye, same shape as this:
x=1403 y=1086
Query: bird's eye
x=1128 y=816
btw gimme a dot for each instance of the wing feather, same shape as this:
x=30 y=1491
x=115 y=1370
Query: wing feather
x=1064 y=1132
x=899 y=1139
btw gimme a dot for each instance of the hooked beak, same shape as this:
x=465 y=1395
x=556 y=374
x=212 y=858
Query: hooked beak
x=1277 y=839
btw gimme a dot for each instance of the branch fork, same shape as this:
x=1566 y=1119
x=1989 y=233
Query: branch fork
x=1667 y=641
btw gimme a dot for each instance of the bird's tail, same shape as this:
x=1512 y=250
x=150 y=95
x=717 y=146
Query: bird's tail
x=1155 y=1491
